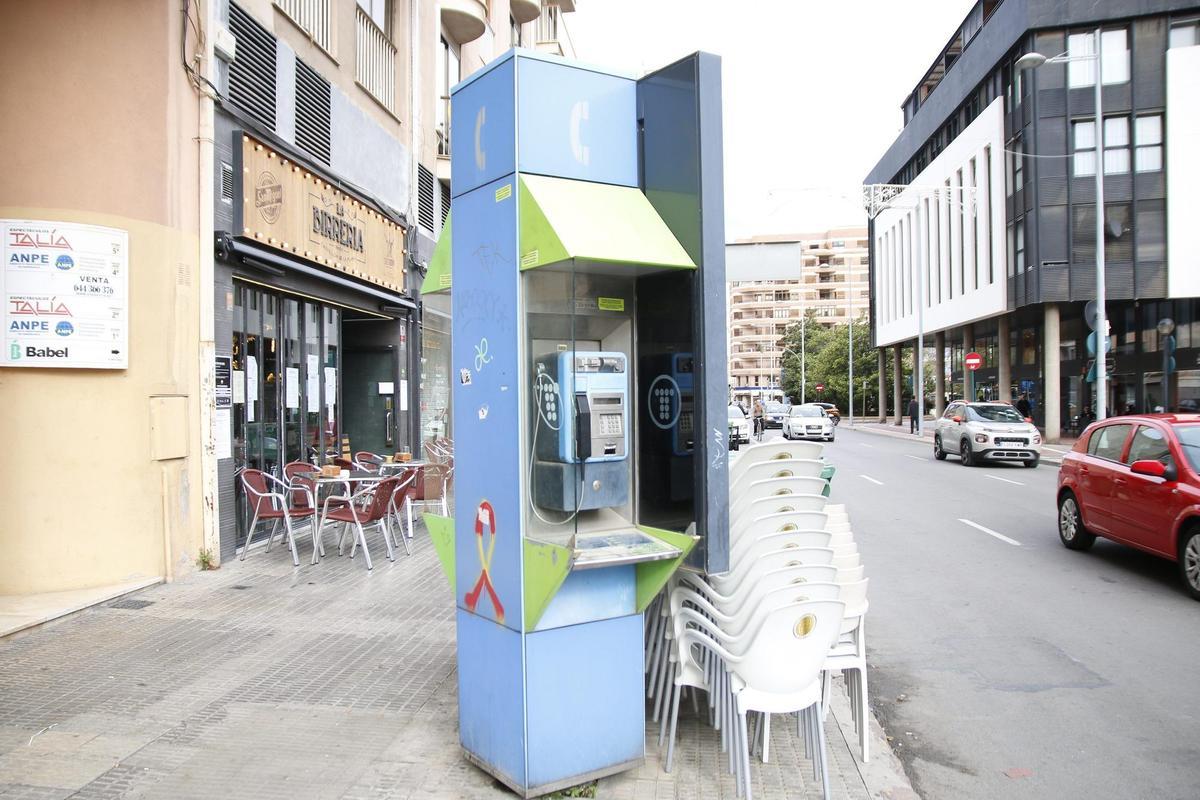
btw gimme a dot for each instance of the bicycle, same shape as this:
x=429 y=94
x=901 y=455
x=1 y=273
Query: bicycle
x=759 y=427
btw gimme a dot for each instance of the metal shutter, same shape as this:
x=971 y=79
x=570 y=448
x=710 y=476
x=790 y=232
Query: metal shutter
x=252 y=73
x=312 y=112
x=425 y=183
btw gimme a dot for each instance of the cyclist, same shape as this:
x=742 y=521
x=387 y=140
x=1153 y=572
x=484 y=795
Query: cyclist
x=758 y=419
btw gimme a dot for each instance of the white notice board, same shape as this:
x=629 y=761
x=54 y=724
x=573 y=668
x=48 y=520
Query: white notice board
x=65 y=289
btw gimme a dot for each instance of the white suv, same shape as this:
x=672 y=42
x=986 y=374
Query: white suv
x=978 y=432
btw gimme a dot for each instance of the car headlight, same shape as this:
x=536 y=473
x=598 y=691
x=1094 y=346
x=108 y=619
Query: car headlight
x=1036 y=439
x=981 y=438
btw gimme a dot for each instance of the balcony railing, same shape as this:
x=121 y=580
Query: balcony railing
x=313 y=18
x=443 y=126
x=375 y=61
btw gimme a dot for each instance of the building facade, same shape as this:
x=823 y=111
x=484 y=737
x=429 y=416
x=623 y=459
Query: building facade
x=984 y=239
x=252 y=189
x=776 y=281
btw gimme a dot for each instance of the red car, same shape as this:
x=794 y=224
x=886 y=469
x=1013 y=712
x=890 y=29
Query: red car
x=1136 y=480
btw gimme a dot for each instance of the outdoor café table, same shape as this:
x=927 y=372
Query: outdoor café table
x=400 y=466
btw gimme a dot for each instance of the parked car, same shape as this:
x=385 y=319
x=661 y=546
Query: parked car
x=774 y=415
x=808 y=421
x=739 y=426
x=832 y=411
x=1136 y=480
x=981 y=432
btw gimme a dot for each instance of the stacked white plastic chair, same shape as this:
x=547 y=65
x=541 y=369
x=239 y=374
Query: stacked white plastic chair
x=766 y=635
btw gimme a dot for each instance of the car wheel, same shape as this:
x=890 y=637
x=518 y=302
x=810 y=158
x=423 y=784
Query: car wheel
x=1032 y=463
x=1189 y=561
x=964 y=454
x=938 y=452
x=1070 y=524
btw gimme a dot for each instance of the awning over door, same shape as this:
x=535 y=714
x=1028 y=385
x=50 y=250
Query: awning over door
x=437 y=277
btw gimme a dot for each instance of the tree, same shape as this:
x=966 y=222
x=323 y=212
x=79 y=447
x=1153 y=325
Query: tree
x=826 y=349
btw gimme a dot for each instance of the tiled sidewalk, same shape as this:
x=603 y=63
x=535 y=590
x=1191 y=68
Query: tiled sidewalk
x=264 y=681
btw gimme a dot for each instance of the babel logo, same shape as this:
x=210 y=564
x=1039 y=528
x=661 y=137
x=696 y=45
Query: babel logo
x=14 y=352
x=268 y=197
x=46 y=352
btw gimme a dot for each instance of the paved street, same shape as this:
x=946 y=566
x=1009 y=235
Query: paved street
x=260 y=680
x=1003 y=664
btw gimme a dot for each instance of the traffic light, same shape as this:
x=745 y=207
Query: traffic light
x=1168 y=354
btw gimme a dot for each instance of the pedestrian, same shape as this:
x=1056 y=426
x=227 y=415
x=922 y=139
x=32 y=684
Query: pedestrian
x=1023 y=407
x=912 y=415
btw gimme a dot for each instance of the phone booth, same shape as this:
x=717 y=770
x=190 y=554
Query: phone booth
x=584 y=306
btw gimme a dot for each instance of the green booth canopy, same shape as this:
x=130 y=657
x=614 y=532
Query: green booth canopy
x=565 y=219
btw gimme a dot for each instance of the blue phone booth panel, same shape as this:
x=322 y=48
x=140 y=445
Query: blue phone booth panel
x=491 y=695
x=483 y=135
x=587 y=698
x=576 y=123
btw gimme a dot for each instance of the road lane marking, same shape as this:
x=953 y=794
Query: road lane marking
x=918 y=458
x=872 y=480
x=864 y=444
x=1006 y=480
x=990 y=532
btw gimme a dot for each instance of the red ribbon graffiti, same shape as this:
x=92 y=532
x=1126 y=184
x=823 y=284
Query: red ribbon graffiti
x=485 y=517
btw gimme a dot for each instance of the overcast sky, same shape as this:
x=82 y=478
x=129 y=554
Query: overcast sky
x=812 y=89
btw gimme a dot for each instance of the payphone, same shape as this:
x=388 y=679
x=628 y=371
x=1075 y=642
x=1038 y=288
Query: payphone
x=581 y=434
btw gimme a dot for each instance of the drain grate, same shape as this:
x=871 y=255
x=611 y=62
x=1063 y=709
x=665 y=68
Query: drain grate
x=131 y=605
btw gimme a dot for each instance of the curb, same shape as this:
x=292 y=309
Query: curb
x=876 y=430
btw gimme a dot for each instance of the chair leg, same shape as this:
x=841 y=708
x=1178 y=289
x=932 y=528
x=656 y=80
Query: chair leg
x=287 y=524
x=362 y=537
x=864 y=723
x=249 y=537
x=671 y=735
x=318 y=550
x=342 y=537
x=271 y=538
x=672 y=692
x=385 y=529
x=766 y=737
x=744 y=755
x=821 y=753
x=408 y=507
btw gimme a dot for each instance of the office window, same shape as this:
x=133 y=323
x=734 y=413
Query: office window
x=1018 y=165
x=1118 y=241
x=1185 y=34
x=1148 y=135
x=1151 y=231
x=1019 y=253
x=1115 y=58
x=1116 y=145
x=1084 y=136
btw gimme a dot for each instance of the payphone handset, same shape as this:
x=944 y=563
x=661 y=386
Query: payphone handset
x=583 y=406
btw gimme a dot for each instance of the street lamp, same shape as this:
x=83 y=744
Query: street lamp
x=1032 y=61
x=786 y=350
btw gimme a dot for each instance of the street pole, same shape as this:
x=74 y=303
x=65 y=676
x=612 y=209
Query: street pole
x=803 y=330
x=919 y=356
x=1101 y=315
x=850 y=339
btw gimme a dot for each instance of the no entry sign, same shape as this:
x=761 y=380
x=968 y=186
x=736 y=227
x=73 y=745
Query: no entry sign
x=820 y=387
x=973 y=361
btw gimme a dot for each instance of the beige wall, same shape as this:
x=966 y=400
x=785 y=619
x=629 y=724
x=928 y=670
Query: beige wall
x=100 y=129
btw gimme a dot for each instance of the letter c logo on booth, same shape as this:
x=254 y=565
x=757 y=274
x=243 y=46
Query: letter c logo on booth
x=579 y=114
x=480 y=155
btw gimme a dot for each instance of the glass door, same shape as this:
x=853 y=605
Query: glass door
x=293 y=386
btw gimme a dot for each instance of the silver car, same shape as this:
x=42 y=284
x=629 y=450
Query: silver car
x=808 y=421
x=979 y=432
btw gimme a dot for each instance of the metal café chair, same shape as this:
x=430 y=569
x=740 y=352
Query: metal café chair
x=273 y=505
x=367 y=460
x=364 y=507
